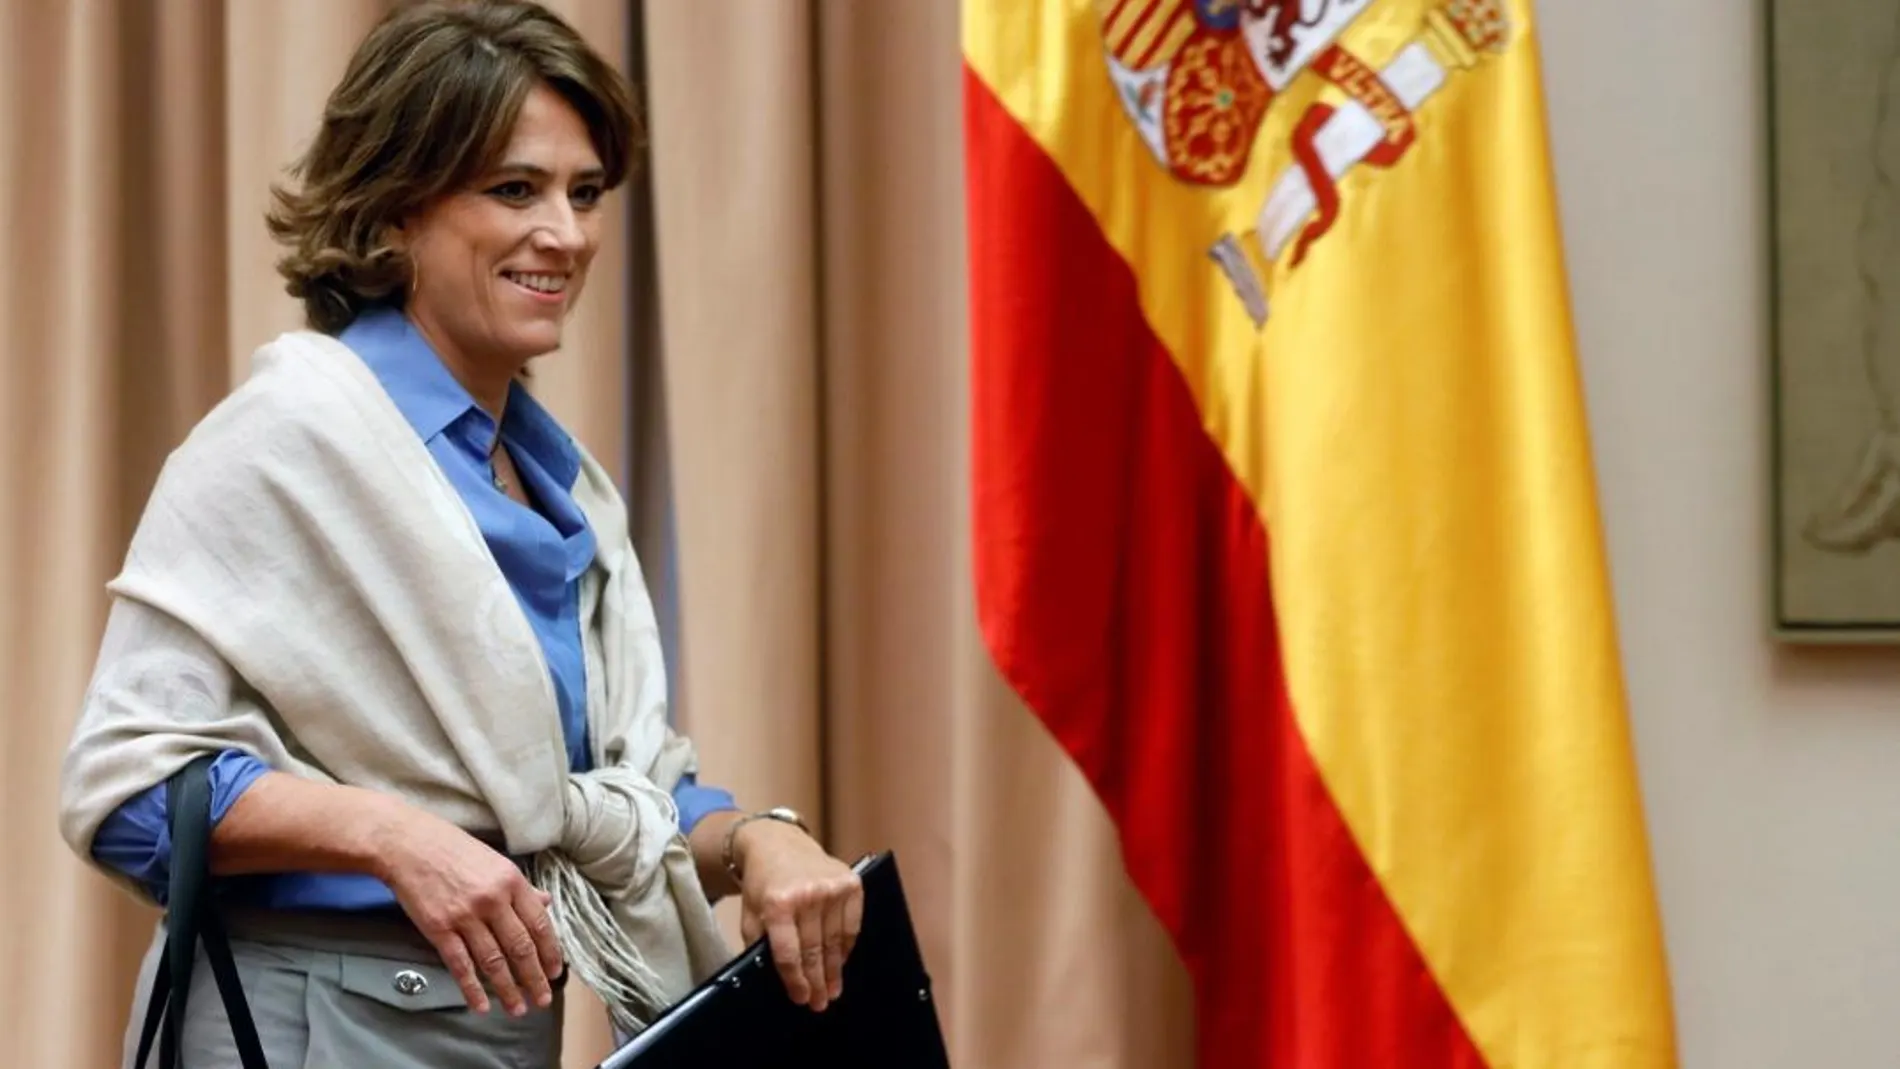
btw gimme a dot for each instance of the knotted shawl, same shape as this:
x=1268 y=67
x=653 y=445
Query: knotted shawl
x=304 y=531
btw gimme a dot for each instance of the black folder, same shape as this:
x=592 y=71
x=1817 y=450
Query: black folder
x=886 y=1018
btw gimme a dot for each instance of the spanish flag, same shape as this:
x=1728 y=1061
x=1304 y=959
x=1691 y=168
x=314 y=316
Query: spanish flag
x=1285 y=521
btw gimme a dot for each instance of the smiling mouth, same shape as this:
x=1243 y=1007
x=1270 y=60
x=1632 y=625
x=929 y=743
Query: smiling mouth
x=540 y=284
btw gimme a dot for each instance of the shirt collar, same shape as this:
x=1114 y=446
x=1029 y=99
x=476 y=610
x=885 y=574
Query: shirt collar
x=534 y=430
x=432 y=400
x=422 y=387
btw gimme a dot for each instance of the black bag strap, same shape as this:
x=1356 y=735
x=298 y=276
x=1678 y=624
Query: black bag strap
x=191 y=915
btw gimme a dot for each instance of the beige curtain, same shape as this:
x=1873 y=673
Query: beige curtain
x=808 y=206
x=137 y=142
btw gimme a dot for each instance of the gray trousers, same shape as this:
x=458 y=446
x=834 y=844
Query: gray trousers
x=336 y=992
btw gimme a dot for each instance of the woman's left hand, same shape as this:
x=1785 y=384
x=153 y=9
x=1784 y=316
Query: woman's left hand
x=809 y=904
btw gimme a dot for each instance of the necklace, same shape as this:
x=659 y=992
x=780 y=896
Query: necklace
x=494 y=472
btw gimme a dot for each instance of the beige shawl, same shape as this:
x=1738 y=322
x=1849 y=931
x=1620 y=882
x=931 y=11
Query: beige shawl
x=304 y=531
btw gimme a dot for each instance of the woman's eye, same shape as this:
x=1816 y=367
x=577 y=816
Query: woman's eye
x=586 y=196
x=516 y=190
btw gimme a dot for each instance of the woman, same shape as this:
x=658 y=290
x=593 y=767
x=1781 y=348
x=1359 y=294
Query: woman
x=401 y=606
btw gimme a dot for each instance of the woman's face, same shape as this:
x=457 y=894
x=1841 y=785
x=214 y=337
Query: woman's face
x=500 y=264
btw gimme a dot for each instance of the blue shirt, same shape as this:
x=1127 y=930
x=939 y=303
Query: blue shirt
x=543 y=554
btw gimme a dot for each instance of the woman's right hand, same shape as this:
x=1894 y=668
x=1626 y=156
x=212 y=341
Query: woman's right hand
x=476 y=906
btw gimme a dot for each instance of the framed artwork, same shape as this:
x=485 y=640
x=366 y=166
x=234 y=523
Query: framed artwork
x=1834 y=103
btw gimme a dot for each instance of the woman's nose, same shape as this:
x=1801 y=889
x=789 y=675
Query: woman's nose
x=561 y=229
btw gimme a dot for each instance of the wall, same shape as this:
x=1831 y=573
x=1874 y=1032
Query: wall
x=1772 y=775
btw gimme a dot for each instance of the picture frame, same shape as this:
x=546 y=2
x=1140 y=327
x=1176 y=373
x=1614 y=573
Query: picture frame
x=1834 y=193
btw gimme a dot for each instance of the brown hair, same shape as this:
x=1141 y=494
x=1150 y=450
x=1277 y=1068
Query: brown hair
x=428 y=103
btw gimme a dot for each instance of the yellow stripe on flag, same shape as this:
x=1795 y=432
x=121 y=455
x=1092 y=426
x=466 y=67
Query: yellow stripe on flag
x=1408 y=420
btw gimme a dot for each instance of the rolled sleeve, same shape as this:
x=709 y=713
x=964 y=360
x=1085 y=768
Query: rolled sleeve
x=137 y=839
x=696 y=802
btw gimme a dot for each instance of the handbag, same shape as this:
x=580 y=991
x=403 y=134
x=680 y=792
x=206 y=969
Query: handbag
x=191 y=914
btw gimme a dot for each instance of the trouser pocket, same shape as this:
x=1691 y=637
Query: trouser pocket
x=406 y=1014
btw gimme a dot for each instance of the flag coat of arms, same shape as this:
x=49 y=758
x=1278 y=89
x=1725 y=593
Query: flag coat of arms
x=1285 y=523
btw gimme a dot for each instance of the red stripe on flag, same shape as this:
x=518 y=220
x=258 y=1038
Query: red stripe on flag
x=1123 y=590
